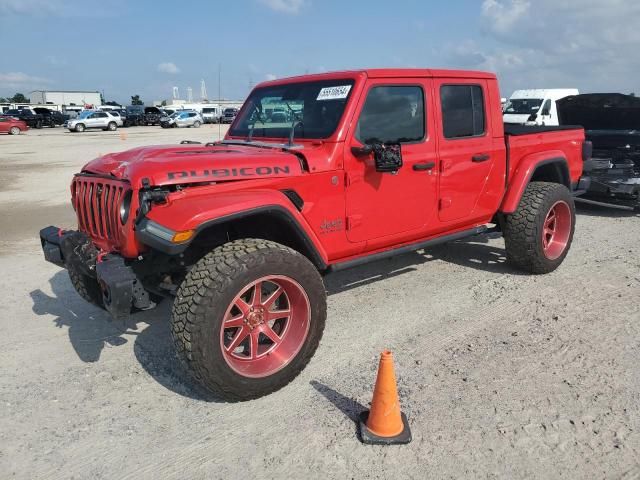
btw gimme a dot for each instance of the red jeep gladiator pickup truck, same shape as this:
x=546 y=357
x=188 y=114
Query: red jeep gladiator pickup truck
x=316 y=174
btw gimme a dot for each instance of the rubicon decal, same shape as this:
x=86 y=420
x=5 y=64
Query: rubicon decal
x=230 y=172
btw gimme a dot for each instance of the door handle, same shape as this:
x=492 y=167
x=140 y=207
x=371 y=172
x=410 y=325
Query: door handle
x=424 y=166
x=480 y=158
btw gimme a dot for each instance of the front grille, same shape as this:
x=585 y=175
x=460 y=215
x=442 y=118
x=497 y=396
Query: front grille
x=97 y=203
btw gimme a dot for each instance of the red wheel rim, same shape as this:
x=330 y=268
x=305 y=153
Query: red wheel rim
x=265 y=326
x=556 y=230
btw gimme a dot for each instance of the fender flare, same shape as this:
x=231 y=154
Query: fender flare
x=525 y=171
x=157 y=236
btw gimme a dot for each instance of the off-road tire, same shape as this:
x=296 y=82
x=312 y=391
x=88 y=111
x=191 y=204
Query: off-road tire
x=202 y=300
x=87 y=287
x=523 y=228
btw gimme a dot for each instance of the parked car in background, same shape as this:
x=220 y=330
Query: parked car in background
x=28 y=116
x=152 y=115
x=211 y=114
x=135 y=115
x=94 y=119
x=51 y=118
x=612 y=124
x=229 y=115
x=183 y=118
x=12 y=125
x=535 y=107
x=120 y=114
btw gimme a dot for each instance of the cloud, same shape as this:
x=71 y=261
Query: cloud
x=270 y=76
x=589 y=44
x=503 y=15
x=60 y=8
x=168 y=67
x=55 y=61
x=21 y=80
x=284 y=6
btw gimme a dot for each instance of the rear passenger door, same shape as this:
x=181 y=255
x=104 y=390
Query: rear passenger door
x=465 y=147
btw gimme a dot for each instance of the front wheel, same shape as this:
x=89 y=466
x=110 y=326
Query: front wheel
x=14 y=130
x=539 y=233
x=248 y=318
x=80 y=127
x=112 y=126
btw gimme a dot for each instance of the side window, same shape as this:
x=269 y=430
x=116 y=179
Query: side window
x=462 y=110
x=392 y=115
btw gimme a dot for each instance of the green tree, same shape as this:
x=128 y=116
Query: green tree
x=4 y=100
x=19 y=98
x=164 y=103
x=135 y=100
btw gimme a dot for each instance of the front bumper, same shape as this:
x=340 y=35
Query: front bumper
x=122 y=290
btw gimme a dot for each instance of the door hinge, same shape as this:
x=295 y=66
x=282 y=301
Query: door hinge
x=353 y=177
x=353 y=221
x=445 y=202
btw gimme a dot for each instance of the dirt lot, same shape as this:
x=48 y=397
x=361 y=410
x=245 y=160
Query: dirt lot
x=501 y=374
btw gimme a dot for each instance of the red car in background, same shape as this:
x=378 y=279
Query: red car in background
x=12 y=125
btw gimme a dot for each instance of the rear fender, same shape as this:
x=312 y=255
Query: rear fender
x=203 y=212
x=551 y=166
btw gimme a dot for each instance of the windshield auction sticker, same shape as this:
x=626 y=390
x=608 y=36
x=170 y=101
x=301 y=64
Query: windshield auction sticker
x=334 y=93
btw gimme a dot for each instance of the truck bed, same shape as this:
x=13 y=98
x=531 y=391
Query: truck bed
x=517 y=129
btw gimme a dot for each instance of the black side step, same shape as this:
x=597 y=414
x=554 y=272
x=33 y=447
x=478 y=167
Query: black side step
x=336 y=267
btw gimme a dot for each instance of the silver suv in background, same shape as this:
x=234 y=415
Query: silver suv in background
x=93 y=119
x=182 y=118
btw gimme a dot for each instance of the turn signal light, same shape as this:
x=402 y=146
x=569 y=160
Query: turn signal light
x=180 y=237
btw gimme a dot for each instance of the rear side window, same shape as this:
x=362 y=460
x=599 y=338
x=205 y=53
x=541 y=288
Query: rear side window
x=393 y=114
x=462 y=111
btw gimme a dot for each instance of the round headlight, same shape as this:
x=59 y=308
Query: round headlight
x=125 y=207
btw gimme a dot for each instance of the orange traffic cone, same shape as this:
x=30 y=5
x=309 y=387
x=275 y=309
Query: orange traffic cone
x=385 y=424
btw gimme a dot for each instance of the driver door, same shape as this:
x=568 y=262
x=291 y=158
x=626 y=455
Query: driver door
x=384 y=204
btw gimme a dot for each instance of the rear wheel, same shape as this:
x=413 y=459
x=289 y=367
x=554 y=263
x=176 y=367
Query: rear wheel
x=14 y=130
x=39 y=124
x=196 y=124
x=539 y=233
x=248 y=318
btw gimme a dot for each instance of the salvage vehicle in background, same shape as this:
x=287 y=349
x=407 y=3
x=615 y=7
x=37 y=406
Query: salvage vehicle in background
x=135 y=115
x=535 y=107
x=374 y=163
x=89 y=119
x=28 y=116
x=182 y=118
x=51 y=118
x=12 y=125
x=211 y=114
x=152 y=115
x=612 y=124
x=229 y=115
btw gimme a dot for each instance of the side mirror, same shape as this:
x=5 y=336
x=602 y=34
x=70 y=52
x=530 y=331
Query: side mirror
x=532 y=117
x=388 y=158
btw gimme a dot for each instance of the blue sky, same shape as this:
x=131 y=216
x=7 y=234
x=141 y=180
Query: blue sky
x=146 y=47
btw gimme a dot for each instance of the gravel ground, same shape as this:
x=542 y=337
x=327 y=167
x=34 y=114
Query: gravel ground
x=501 y=374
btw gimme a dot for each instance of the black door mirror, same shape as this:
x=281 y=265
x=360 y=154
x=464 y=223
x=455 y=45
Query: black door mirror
x=388 y=158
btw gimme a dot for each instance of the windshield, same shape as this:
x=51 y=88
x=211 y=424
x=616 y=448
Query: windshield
x=85 y=113
x=521 y=106
x=314 y=107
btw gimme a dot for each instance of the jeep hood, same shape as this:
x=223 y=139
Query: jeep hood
x=178 y=164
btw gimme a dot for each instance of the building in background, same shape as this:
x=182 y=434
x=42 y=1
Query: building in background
x=66 y=97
